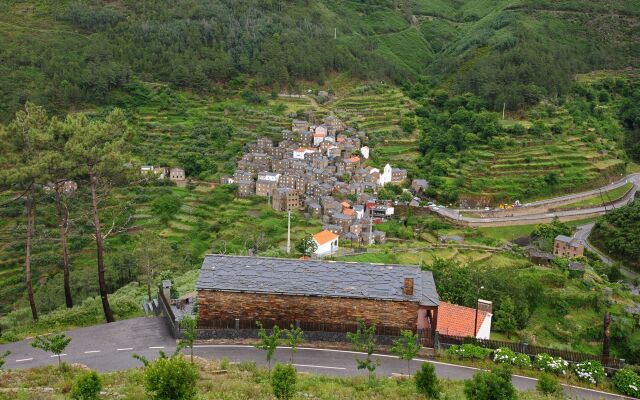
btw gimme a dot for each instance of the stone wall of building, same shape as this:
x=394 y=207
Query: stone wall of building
x=214 y=305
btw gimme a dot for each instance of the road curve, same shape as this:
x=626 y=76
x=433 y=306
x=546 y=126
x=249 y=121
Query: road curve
x=566 y=215
x=110 y=347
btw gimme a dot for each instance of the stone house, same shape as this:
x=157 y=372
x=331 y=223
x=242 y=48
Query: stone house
x=564 y=246
x=177 y=174
x=313 y=291
x=264 y=188
x=285 y=199
x=419 y=186
x=246 y=187
x=298 y=125
x=398 y=175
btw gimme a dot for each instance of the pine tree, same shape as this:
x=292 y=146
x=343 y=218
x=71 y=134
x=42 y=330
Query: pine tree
x=23 y=169
x=98 y=149
x=505 y=317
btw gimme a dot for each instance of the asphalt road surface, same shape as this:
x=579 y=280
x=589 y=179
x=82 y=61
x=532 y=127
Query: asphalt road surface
x=454 y=214
x=110 y=347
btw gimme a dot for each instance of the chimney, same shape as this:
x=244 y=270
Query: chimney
x=166 y=289
x=485 y=305
x=408 y=287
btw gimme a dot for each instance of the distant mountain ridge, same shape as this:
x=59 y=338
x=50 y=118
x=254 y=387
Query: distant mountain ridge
x=511 y=53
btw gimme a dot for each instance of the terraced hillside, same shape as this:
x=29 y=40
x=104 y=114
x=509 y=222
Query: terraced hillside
x=532 y=166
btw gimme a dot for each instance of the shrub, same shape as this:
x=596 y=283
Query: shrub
x=549 y=385
x=427 y=381
x=469 y=351
x=87 y=387
x=494 y=385
x=171 y=379
x=507 y=356
x=545 y=362
x=627 y=382
x=283 y=381
x=590 y=371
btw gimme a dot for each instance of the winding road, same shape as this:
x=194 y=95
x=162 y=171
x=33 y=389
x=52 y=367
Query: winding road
x=110 y=347
x=547 y=216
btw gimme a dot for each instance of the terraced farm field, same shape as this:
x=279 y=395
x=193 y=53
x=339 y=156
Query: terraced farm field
x=533 y=168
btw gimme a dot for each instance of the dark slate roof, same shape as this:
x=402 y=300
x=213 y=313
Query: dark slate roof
x=315 y=278
x=563 y=238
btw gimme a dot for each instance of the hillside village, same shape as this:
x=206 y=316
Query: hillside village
x=321 y=170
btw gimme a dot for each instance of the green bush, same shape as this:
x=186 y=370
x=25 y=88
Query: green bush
x=469 y=351
x=283 y=381
x=494 y=385
x=87 y=387
x=427 y=381
x=171 y=379
x=590 y=371
x=508 y=356
x=627 y=382
x=549 y=385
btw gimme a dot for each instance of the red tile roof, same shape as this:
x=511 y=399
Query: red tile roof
x=458 y=320
x=324 y=237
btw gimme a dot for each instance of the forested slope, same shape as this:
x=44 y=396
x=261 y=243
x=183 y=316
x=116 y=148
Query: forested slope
x=64 y=54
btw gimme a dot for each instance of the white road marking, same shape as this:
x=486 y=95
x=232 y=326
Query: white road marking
x=92 y=351
x=25 y=359
x=156 y=347
x=318 y=366
x=57 y=355
x=415 y=359
x=125 y=349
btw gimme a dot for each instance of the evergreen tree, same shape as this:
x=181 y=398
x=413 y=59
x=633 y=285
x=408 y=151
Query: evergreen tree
x=505 y=317
x=98 y=149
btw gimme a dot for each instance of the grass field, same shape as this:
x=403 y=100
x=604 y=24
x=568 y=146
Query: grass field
x=240 y=381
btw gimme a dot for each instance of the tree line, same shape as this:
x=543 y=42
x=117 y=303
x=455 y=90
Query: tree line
x=42 y=156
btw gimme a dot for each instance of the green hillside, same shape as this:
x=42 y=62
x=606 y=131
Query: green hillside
x=66 y=54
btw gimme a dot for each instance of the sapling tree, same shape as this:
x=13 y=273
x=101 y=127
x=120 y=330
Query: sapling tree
x=306 y=246
x=294 y=336
x=407 y=347
x=363 y=340
x=268 y=343
x=189 y=327
x=55 y=344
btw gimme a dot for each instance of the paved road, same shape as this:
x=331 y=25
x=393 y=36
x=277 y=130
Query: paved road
x=110 y=347
x=566 y=215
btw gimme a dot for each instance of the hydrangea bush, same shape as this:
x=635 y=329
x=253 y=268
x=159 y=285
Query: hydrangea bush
x=508 y=356
x=590 y=371
x=469 y=351
x=547 y=363
x=627 y=382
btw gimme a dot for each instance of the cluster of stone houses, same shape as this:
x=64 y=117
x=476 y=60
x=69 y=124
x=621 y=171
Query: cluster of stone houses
x=313 y=169
x=175 y=174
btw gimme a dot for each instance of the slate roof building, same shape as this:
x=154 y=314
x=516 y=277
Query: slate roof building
x=312 y=291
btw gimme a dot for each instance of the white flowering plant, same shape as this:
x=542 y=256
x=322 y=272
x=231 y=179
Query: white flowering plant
x=627 y=382
x=590 y=371
x=507 y=356
x=547 y=363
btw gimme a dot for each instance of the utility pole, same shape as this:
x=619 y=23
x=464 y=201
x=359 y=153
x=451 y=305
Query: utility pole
x=606 y=335
x=335 y=33
x=371 y=227
x=504 y=105
x=475 y=324
x=289 y=234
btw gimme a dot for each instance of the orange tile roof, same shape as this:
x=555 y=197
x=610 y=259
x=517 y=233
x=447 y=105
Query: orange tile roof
x=324 y=237
x=355 y=159
x=458 y=320
x=345 y=204
x=300 y=149
x=340 y=139
x=319 y=135
x=348 y=211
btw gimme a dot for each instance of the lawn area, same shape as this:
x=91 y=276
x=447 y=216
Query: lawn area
x=506 y=233
x=235 y=381
x=606 y=197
